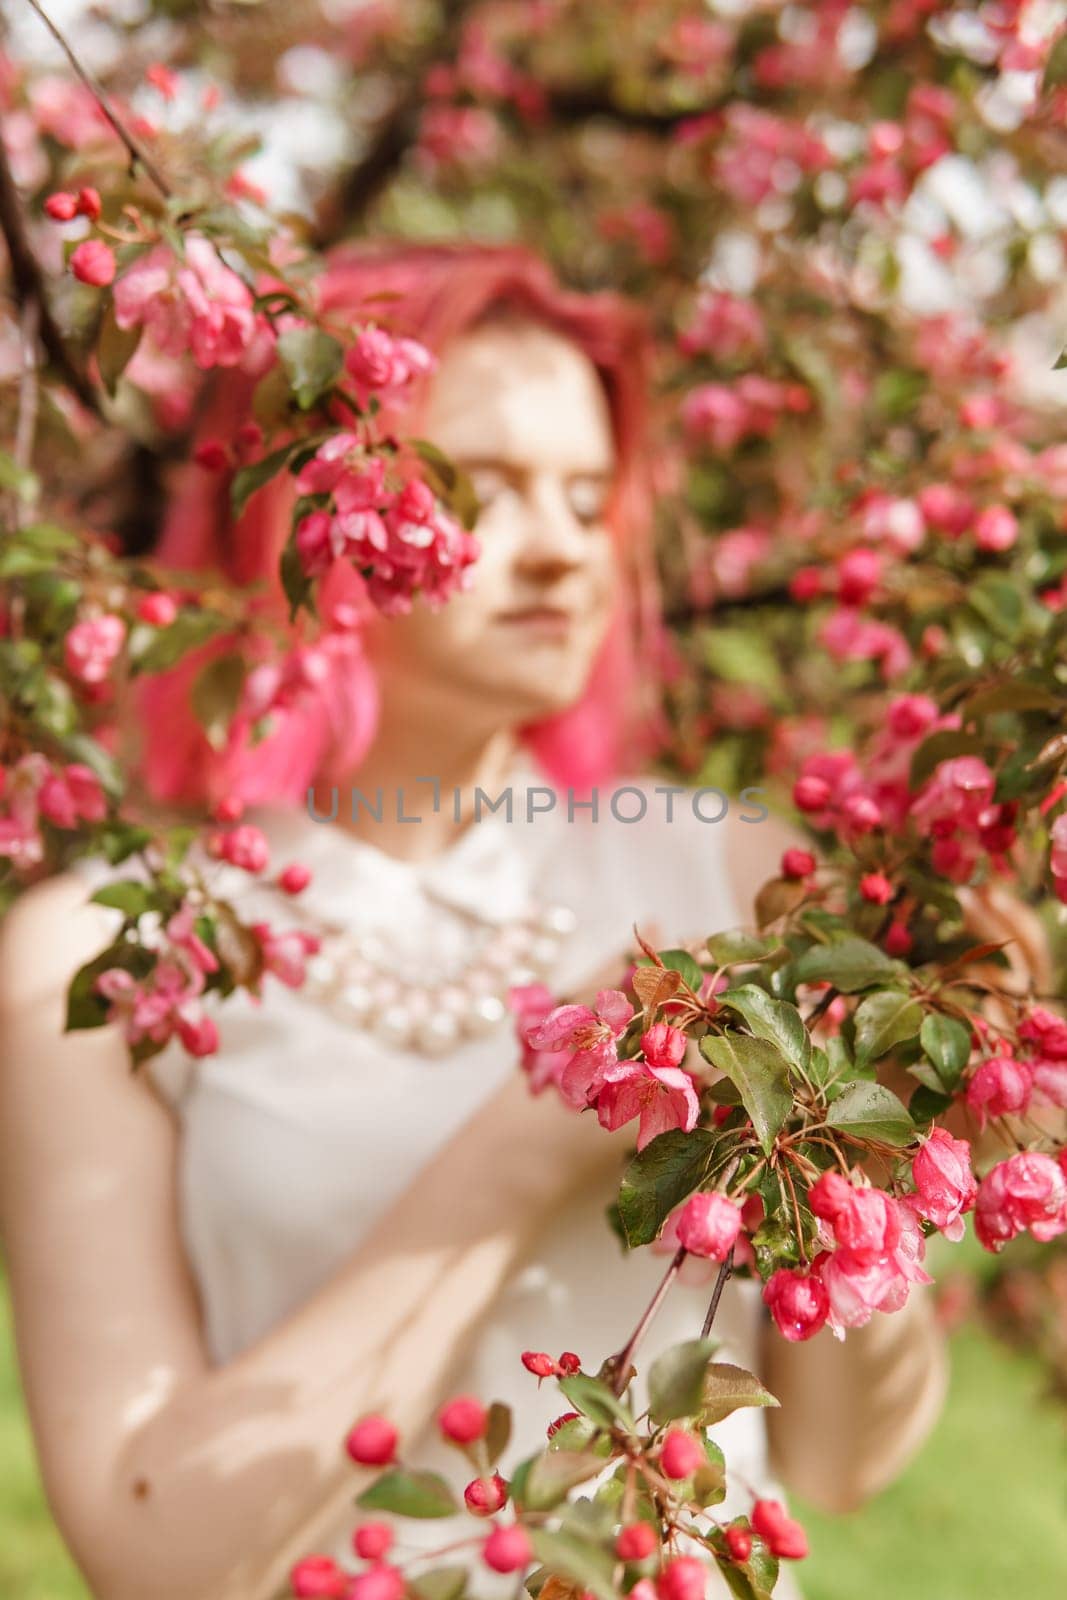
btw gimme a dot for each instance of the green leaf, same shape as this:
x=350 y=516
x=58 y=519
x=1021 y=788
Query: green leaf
x=19 y=481
x=595 y=1400
x=870 y=1111
x=448 y=481
x=115 y=348
x=709 y=1479
x=409 y=1494
x=927 y=1103
x=726 y=1389
x=1011 y=696
x=755 y=1578
x=734 y=946
x=253 y=477
x=497 y=1431
x=664 y=1174
x=580 y=1560
x=554 y=1472
x=947 y=1043
x=850 y=964
x=129 y=896
x=942 y=746
x=760 y=1072
x=313 y=362
x=295 y=581
x=156 y=649
x=676 y=1379
x=1056 y=68
x=88 y=1010
x=885 y=1019
x=216 y=695
x=440 y=1583
x=774 y=1020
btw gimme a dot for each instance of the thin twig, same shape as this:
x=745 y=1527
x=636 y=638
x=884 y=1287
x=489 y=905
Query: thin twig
x=621 y=1362
x=716 y=1294
x=28 y=281
x=29 y=393
x=136 y=150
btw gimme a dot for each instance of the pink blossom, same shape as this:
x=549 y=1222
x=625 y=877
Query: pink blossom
x=285 y=954
x=1050 y=1082
x=1027 y=1191
x=663 y=1046
x=590 y=1035
x=999 y=1086
x=708 y=1225
x=663 y=1098
x=798 y=1302
x=531 y=1004
x=198 y=305
x=91 y=647
x=507 y=1549
x=244 y=846
x=944 y=1182
x=383 y=365
x=1046 y=1031
x=181 y=931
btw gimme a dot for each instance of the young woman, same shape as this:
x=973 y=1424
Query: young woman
x=358 y=1204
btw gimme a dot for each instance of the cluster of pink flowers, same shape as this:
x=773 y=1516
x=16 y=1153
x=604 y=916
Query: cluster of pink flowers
x=583 y=1041
x=723 y=415
x=385 y=364
x=34 y=790
x=92 y=647
x=195 y=304
x=404 y=542
x=1005 y=1082
x=167 y=1002
x=761 y=154
x=874 y=1252
x=725 y=326
x=1026 y=1193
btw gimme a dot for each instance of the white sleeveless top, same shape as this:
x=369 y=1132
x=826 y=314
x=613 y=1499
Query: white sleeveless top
x=303 y=1130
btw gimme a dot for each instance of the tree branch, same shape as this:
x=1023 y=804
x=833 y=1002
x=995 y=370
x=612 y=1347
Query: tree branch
x=136 y=150
x=28 y=281
x=396 y=133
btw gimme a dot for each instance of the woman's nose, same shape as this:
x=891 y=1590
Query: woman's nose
x=554 y=536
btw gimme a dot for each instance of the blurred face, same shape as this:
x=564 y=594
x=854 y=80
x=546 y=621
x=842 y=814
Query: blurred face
x=523 y=412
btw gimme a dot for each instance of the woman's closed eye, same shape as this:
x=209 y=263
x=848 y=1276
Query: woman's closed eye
x=588 y=498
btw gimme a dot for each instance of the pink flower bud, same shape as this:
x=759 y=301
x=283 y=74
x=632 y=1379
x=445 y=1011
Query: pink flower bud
x=211 y=455
x=91 y=647
x=636 y=1541
x=484 y=1497
x=372 y=1442
x=797 y=864
x=945 y=1185
x=708 y=1225
x=245 y=847
x=782 y=1536
x=876 y=887
x=229 y=809
x=315 y=1577
x=829 y=1195
x=540 y=1364
x=61 y=207
x=507 y=1549
x=898 y=940
x=372 y=1540
x=681 y=1454
x=158 y=609
x=996 y=529
x=798 y=1302
x=93 y=262
x=684 y=1578
x=998 y=1087
x=89 y=203
x=569 y=1363
x=295 y=878
x=463 y=1420
x=738 y=1542
x=382 y=1582
x=811 y=794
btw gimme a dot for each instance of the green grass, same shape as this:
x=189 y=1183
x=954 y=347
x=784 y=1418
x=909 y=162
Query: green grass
x=980 y=1515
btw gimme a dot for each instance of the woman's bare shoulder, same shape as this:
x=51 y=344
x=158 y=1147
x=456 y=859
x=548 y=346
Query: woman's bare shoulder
x=52 y=929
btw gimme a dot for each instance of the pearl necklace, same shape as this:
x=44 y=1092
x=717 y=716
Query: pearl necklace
x=352 y=977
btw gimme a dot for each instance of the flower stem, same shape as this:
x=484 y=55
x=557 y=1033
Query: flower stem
x=716 y=1294
x=620 y=1364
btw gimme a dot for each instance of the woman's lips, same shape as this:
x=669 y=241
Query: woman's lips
x=550 y=621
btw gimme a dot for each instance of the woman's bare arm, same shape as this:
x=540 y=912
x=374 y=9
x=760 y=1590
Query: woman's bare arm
x=170 y=1477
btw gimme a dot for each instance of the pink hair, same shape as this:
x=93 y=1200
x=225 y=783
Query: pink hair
x=433 y=293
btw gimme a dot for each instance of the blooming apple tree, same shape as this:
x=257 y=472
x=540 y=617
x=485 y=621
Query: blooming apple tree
x=847 y=223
